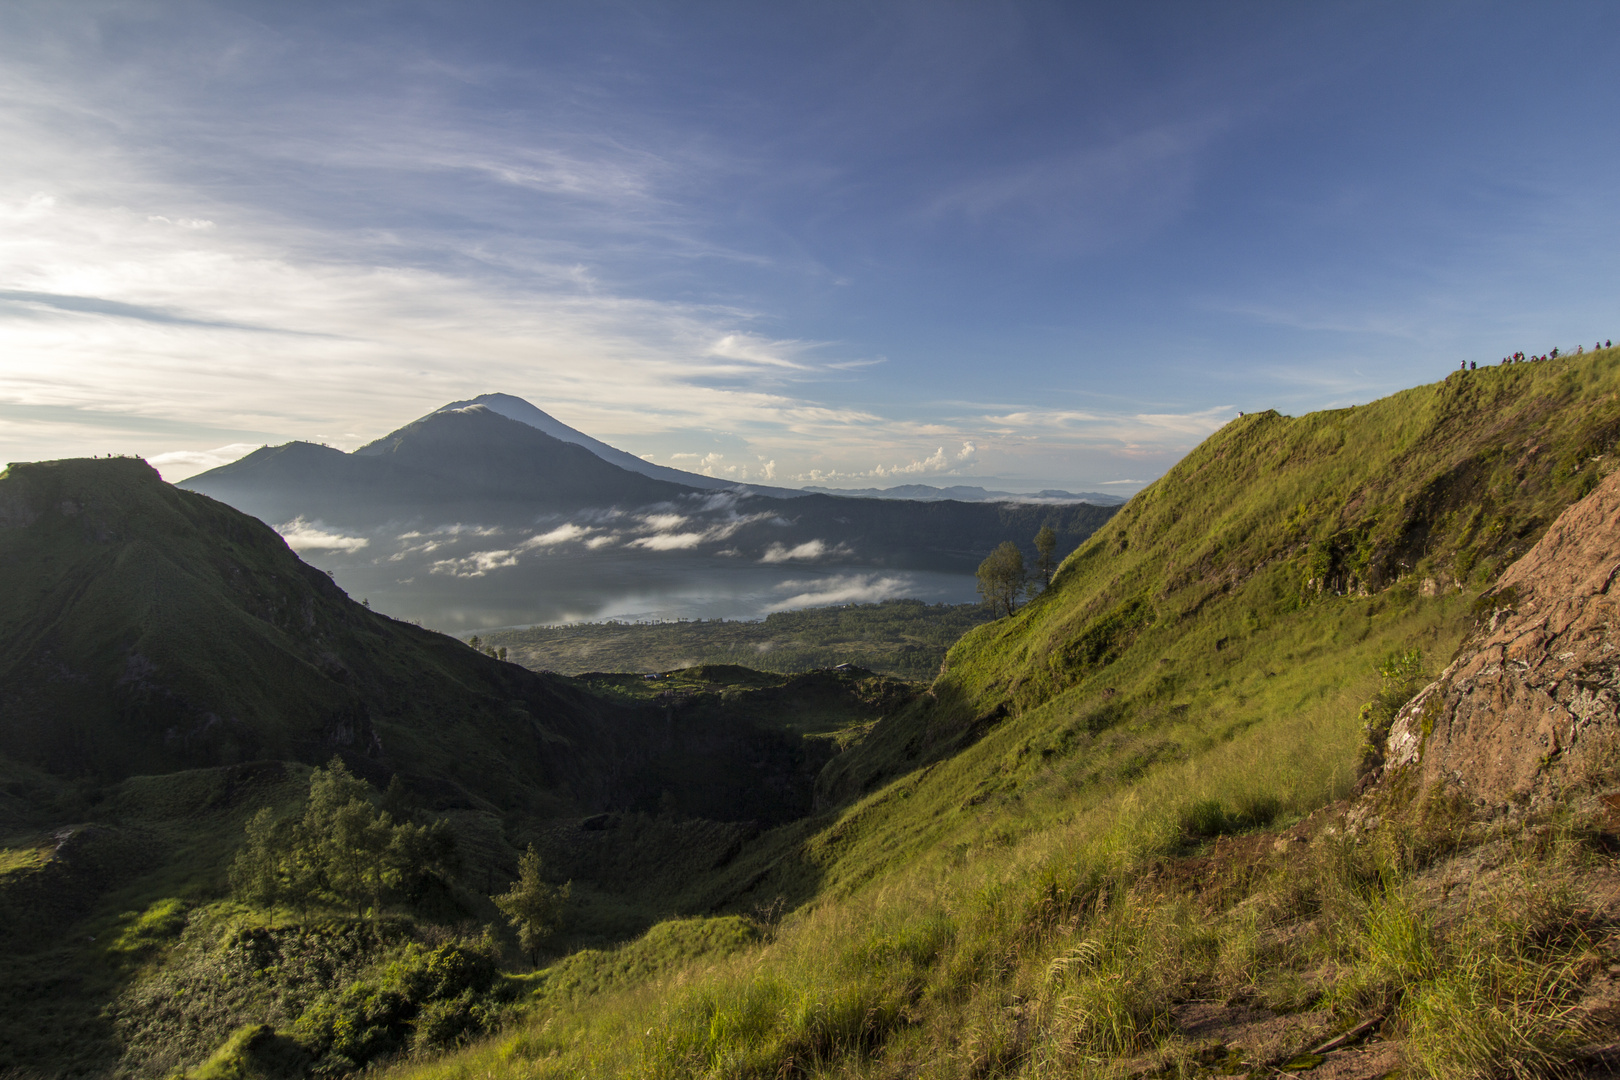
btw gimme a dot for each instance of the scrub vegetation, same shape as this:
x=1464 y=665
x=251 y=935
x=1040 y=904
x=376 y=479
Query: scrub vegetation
x=1128 y=830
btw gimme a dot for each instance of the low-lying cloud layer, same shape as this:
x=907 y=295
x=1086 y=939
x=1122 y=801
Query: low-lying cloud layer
x=304 y=535
x=842 y=589
x=809 y=551
x=709 y=523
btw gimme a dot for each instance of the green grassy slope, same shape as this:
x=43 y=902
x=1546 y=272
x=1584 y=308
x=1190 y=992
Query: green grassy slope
x=990 y=899
x=1424 y=493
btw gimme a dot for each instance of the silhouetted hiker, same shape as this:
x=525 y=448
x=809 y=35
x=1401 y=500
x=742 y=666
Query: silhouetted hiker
x=1472 y=366
x=1462 y=365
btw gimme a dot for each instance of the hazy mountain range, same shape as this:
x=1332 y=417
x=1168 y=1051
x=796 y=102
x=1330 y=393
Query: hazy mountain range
x=490 y=513
x=968 y=493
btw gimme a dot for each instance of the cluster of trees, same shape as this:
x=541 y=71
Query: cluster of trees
x=1003 y=578
x=488 y=650
x=344 y=851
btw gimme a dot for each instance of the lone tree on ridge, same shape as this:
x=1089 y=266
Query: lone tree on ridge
x=1045 y=548
x=1001 y=577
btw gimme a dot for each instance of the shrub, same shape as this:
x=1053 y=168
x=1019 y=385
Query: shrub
x=146 y=930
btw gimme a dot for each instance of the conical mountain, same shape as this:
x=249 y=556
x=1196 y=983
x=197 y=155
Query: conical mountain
x=515 y=408
x=455 y=464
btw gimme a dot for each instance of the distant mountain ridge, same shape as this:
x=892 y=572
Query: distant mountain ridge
x=469 y=501
x=966 y=493
x=462 y=462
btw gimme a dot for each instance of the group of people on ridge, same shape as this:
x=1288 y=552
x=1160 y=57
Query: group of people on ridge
x=1520 y=358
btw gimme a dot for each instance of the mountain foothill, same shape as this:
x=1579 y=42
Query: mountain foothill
x=1307 y=758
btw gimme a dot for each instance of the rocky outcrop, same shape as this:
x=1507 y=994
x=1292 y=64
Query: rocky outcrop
x=1532 y=702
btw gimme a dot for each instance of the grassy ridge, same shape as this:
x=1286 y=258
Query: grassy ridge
x=1015 y=884
x=905 y=638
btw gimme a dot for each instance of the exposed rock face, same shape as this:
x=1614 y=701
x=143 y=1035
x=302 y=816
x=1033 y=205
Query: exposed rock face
x=1531 y=703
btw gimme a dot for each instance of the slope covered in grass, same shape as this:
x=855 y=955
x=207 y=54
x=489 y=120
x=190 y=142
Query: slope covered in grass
x=1239 y=550
x=1028 y=874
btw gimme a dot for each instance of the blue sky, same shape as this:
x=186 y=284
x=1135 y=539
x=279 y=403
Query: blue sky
x=846 y=243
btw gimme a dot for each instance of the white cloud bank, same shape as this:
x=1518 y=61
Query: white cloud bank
x=843 y=589
x=304 y=535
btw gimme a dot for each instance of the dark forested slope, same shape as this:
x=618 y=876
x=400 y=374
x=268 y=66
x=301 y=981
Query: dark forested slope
x=145 y=629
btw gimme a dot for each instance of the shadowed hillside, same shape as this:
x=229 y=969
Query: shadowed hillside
x=170 y=667
x=149 y=629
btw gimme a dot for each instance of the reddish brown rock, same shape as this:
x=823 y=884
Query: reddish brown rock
x=1531 y=703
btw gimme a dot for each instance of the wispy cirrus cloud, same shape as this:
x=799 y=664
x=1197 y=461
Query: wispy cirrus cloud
x=1091 y=197
x=1128 y=430
x=325 y=251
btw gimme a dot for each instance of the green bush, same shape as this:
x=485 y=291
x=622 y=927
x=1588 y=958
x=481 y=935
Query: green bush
x=424 y=999
x=143 y=931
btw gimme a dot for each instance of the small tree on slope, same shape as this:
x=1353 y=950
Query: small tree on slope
x=1045 y=548
x=343 y=851
x=533 y=905
x=1001 y=577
